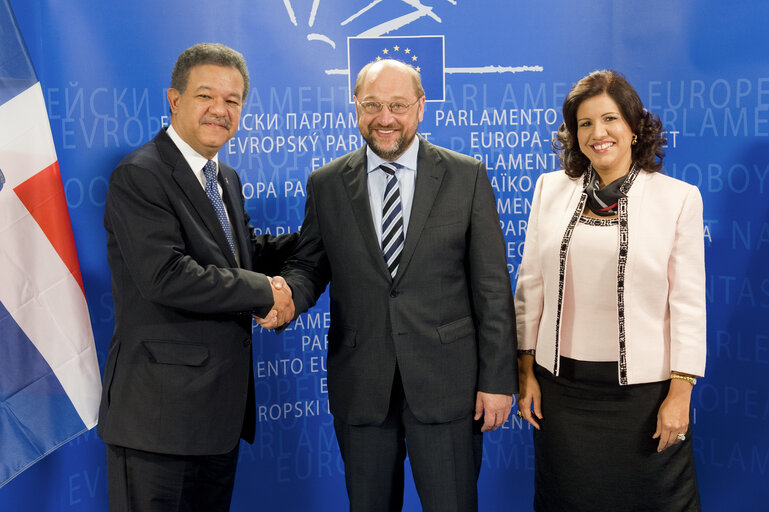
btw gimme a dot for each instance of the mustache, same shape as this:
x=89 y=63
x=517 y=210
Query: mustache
x=394 y=126
x=215 y=119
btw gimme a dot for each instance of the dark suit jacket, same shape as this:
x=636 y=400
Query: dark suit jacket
x=447 y=318
x=178 y=378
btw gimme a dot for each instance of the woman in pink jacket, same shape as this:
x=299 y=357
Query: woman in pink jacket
x=610 y=305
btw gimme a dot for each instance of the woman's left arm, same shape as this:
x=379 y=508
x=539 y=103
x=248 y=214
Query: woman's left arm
x=686 y=301
x=686 y=293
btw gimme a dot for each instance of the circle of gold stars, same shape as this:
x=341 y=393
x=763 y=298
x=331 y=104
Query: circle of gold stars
x=410 y=56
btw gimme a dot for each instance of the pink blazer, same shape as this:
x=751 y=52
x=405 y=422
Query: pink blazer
x=662 y=321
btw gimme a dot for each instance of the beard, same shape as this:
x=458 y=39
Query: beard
x=392 y=153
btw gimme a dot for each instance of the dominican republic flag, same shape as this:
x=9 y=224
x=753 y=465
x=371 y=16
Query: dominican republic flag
x=424 y=53
x=49 y=375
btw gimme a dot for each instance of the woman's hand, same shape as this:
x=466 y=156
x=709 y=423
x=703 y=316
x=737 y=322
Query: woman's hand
x=673 y=415
x=529 y=395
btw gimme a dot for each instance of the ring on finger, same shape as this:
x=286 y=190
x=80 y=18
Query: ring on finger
x=681 y=437
x=519 y=413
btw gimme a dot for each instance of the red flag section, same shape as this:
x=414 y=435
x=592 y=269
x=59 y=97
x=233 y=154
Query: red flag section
x=43 y=196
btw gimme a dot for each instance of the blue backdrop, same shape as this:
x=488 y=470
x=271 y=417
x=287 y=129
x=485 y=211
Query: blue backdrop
x=703 y=66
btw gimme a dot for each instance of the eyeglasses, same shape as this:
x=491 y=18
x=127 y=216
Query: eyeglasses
x=374 y=107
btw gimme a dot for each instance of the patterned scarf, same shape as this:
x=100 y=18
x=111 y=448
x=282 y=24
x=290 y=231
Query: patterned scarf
x=604 y=201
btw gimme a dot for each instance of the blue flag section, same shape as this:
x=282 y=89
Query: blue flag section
x=36 y=416
x=496 y=74
x=424 y=53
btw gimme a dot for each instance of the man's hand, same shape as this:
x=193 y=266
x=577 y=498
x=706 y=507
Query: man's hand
x=494 y=408
x=282 y=310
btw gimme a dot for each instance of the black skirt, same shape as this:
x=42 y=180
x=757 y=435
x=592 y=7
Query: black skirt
x=595 y=450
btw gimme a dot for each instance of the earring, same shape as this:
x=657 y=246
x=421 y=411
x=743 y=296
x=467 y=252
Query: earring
x=635 y=139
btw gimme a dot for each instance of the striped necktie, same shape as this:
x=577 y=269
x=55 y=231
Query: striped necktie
x=212 y=191
x=392 y=219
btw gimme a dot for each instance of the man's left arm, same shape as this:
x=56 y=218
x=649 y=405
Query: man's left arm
x=271 y=252
x=493 y=307
x=268 y=252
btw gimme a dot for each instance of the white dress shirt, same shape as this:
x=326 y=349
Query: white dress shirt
x=196 y=161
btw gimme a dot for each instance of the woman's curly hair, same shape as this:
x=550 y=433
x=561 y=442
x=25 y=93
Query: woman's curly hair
x=647 y=153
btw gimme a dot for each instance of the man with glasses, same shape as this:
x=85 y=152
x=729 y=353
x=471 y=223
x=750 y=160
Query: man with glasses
x=422 y=337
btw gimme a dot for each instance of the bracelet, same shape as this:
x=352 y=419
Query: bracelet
x=527 y=352
x=690 y=380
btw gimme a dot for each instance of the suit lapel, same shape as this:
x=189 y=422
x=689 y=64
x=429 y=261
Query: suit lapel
x=430 y=172
x=231 y=196
x=355 y=180
x=190 y=186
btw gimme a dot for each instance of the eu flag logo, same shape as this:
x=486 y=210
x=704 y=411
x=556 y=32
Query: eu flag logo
x=424 y=53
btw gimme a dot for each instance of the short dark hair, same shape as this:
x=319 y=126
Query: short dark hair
x=411 y=70
x=207 y=53
x=647 y=153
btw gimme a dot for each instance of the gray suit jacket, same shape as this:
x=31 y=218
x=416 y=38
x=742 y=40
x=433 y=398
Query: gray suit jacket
x=446 y=319
x=179 y=377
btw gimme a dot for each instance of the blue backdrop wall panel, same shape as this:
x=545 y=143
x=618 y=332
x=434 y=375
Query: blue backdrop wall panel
x=703 y=66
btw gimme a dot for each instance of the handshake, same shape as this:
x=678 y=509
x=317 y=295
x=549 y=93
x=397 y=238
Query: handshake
x=282 y=311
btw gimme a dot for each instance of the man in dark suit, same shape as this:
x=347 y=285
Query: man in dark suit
x=178 y=384
x=422 y=335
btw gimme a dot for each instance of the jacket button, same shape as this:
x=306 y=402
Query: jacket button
x=394 y=293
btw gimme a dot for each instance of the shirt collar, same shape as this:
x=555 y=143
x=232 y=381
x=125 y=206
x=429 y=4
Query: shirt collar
x=408 y=159
x=195 y=160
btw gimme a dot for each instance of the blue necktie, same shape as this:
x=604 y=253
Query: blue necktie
x=392 y=219
x=212 y=191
